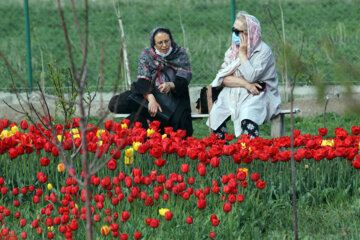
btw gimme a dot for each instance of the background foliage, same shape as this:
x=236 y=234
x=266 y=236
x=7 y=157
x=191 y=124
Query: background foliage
x=202 y=27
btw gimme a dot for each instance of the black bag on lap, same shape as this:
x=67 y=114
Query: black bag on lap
x=167 y=102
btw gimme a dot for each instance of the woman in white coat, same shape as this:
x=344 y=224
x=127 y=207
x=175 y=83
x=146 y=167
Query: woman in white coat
x=250 y=94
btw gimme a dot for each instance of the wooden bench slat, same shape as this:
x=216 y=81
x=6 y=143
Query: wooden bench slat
x=203 y=115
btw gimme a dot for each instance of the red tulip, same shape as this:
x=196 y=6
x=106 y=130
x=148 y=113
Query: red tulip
x=241 y=175
x=160 y=162
x=356 y=164
x=189 y=220
x=202 y=171
x=260 y=184
x=201 y=203
x=125 y=215
x=50 y=235
x=355 y=130
x=215 y=161
x=323 y=131
x=137 y=235
x=44 y=161
x=39 y=230
x=111 y=165
x=168 y=216
x=255 y=177
x=227 y=207
x=240 y=198
x=154 y=223
x=123 y=236
x=5 y=122
x=156 y=152
x=13 y=153
x=214 y=220
x=23 y=235
x=22 y=222
x=181 y=152
x=74 y=225
x=185 y=168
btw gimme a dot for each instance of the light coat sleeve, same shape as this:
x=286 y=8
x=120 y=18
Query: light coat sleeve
x=253 y=69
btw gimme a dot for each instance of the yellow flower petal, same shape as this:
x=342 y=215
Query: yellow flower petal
x=162 y=211
x=136 y=145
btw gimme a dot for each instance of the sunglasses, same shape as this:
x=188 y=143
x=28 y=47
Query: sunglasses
x=237 y=31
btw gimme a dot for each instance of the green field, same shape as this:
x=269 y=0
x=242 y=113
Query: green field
x=203 y=27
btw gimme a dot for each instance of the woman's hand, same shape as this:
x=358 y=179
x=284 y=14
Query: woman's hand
x=153 y=106
x=166 y=87
x=252 y=88
x=243 y=48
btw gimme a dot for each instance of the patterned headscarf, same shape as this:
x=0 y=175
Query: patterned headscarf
x=151 y=64
x=254 y=38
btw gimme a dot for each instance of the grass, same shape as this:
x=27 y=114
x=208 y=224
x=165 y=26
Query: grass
x=308 y=125
x=205 y=33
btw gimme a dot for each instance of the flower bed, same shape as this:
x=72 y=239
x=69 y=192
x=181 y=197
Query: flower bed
x=153 y=183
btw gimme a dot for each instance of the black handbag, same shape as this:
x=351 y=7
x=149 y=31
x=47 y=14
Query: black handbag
x=202 y=102
x=167 y=103
x=120 y=103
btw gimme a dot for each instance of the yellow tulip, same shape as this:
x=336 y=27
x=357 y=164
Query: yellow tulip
x=100 y=132
x=59 y=137
x=162 y=211
x=129 y=152
x=243 y=145
x=163 y=136
x=105 y=230
x=75 y=131
x=76 y=136
x=14 y=129
x=100 y=142
x=50 y=228
x=5 y=134
x=49 y=186
x=327 y=143
x=136 y=145
x=124 y=125
x=61 y=167
x=150 y=131
x=129 y=160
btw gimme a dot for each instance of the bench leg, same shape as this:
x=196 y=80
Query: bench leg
x=278 y=126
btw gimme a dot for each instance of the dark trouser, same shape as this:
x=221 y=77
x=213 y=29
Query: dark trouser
x=248 y=127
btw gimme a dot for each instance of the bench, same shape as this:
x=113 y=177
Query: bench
x=277 y=123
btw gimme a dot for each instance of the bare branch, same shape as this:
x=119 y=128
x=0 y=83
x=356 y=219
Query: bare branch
x=77 y=23
x=85 y=47
x=68 y=46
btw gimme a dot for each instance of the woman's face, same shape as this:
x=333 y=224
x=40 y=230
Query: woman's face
x=162 y=42
x=239 y=28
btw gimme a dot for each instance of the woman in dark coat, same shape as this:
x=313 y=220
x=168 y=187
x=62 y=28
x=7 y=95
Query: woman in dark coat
x=166 y=65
